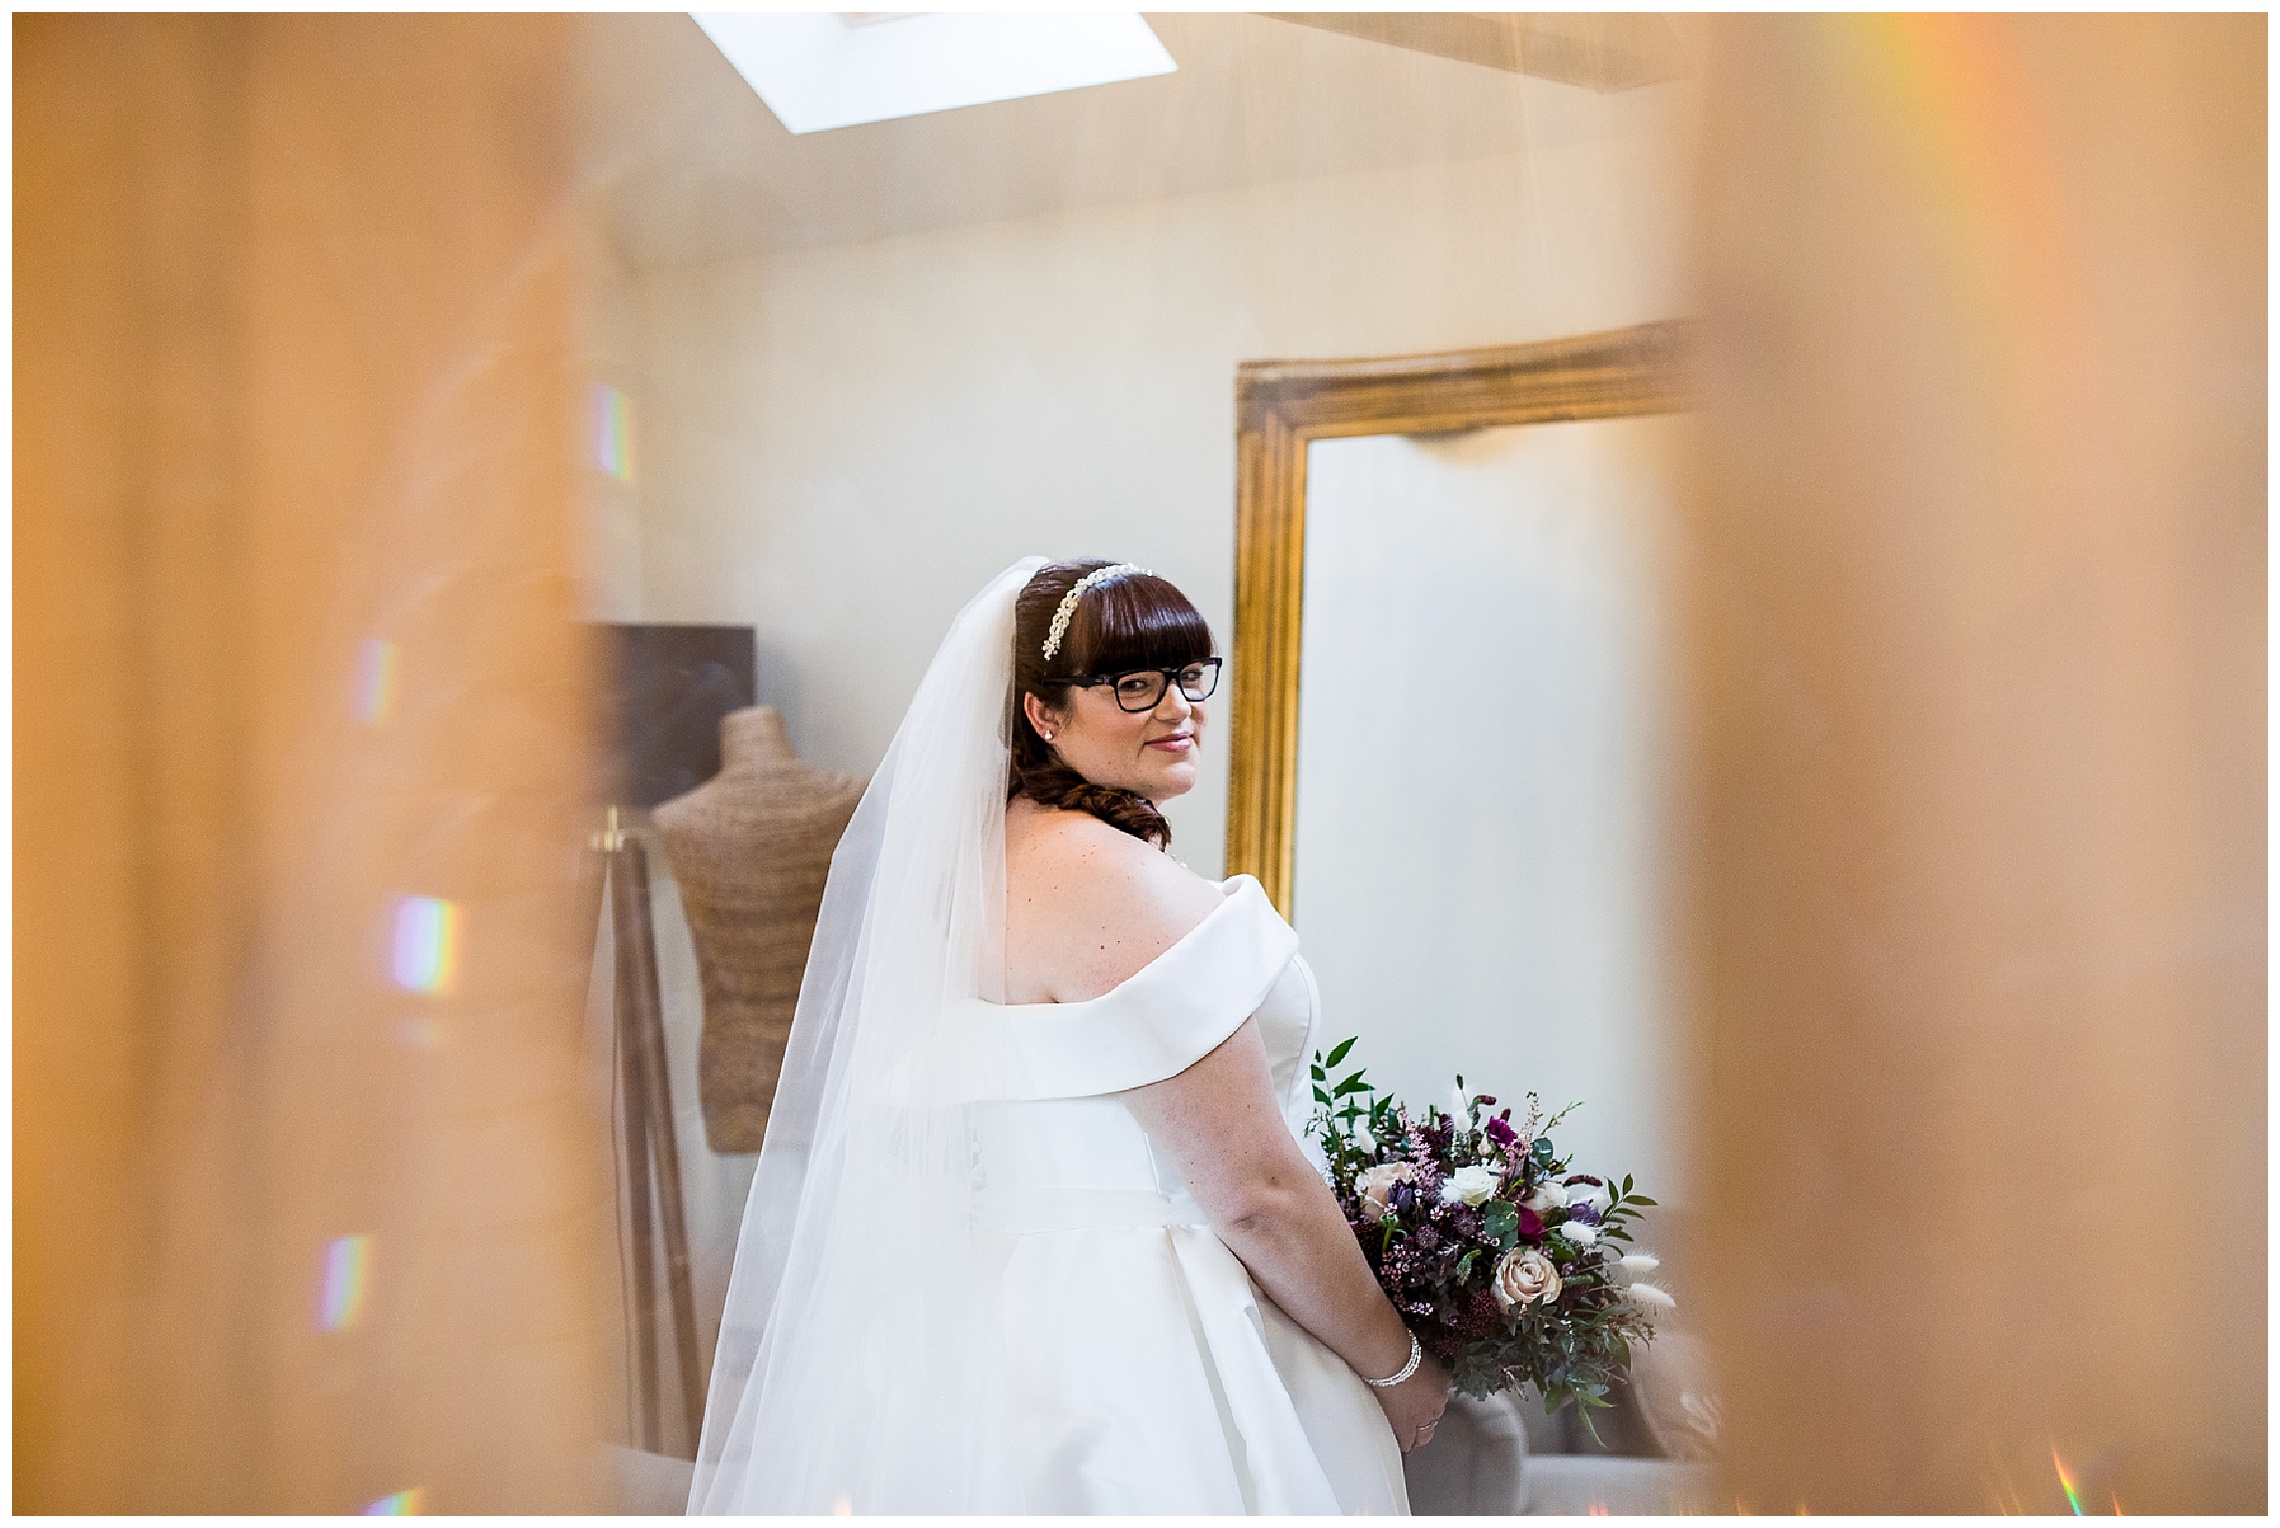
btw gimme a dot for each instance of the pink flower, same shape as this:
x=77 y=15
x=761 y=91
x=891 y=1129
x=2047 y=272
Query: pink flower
x=1375 y=1186
x=1523 y=1275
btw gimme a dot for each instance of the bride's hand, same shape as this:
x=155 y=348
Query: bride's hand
x=1414 y=1406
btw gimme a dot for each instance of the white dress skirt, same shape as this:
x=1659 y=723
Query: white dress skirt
x=1144 y=1371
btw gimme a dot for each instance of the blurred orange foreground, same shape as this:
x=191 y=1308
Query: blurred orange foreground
x=311 y=1192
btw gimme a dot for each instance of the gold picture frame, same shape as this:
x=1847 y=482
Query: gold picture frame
x=1283 y=406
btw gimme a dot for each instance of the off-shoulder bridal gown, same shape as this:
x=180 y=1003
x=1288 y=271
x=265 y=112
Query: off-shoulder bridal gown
x=1143 y=1370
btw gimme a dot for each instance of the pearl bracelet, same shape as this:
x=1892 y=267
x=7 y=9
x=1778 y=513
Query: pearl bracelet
x=1416 y=1357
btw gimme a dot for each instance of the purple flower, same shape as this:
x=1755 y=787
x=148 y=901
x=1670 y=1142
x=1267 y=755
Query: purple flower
x=1501 y=1133
x=1531 y=1224
x=1585 y=1211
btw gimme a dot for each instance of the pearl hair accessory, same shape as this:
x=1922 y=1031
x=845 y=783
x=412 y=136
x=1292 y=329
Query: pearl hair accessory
x=1076 y=592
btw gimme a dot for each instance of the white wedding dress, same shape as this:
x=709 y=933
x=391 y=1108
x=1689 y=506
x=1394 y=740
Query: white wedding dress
x=1143 y=1371
x=966 y=1282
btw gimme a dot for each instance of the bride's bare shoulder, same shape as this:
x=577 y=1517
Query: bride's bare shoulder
x=1088 y=905
x=1066 y=857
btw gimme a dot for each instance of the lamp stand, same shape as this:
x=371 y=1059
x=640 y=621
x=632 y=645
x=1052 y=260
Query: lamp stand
x=652 y=1154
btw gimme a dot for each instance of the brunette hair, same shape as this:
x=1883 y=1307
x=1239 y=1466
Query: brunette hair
x=1133 y=621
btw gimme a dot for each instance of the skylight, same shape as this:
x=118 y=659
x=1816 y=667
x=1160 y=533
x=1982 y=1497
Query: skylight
x=823 y=69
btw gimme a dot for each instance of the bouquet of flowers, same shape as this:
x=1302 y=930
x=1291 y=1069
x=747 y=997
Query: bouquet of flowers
x=1507 y=1265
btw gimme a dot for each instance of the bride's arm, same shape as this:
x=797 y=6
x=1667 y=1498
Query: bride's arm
x=1087 y=906
x=1219 y=1124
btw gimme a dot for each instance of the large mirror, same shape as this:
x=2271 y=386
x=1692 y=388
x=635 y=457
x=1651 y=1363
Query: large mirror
x=1451 y=755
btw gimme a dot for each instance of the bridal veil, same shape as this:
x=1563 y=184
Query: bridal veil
x=849 y=1373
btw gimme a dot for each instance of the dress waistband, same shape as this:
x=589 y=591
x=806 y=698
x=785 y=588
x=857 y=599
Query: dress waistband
x=1026 y=1211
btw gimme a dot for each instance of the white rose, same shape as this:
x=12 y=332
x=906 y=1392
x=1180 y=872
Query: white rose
x=1594 y=1194
x=1375 y=1186
x=1522 y=1275
x=1469 y=1185
x=1578 y=1233
x=1547 y=1196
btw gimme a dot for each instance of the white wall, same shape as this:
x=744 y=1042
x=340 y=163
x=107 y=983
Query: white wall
x=840 y=446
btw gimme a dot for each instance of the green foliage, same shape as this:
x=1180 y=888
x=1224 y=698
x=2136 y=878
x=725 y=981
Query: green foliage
x=1572 y=1350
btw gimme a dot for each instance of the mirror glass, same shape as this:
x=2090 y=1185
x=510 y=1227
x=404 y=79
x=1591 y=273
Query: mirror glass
x=1481 y=856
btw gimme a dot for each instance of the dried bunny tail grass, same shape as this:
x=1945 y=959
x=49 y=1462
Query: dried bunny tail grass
x=1649 y=1294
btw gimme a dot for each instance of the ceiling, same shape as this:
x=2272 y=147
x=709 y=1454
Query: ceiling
x=1603 y=50
x=687 y=165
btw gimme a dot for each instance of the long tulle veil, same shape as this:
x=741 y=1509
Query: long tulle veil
x=848 y=1375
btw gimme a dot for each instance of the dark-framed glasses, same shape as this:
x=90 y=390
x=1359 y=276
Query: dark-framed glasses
x=1143 y=689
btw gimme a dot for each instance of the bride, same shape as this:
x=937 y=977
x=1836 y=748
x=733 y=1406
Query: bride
x=1032 y=1229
